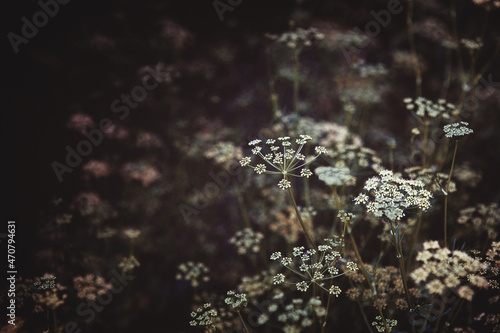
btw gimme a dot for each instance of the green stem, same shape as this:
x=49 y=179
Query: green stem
x=367 y=278
x=413 y=48
x=441 y=310
x=402 y=269
x=448 y=324
x=424 y=144
x=306 y=233
x=243 y=322
x=296 y=83
x=413 y=242
x=446 y=196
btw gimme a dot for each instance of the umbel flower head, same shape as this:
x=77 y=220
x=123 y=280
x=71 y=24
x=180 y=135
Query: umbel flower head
x=457 y=129
x=314 y=266
x=392 y=195
x=285 y=160
x=425 y=108
x=299 y=38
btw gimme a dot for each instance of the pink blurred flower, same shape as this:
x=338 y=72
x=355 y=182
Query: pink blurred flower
x=142 y=172
x=80 y=122
x=148 y=140
x=96 y=169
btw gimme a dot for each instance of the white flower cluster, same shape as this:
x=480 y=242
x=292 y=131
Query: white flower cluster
x=472 y=44
x=284 y=159
x=425 y=108
x=298 y=38
x=237 y=301
x=193 y=272
x=335 y=176
x=297 y=315
x=247 y=240
x=313 y=266
x=379 y=324
x=205 y=316
x=392 y=195
x=377 y=70
x=457 y=129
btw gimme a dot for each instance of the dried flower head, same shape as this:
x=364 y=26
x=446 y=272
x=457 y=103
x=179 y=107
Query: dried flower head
x=442 y=268
x=433 y=180
x=48 y=292
x=90 y=286
x=247 y=240
x=224 y=154
x=284 y=159
x=482 y=218
x=457 y=130
x=129 y=263
x=140 y=171
x=193 y=272
x=285 y=223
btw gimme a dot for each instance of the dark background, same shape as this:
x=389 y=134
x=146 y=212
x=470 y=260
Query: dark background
x=56 y=74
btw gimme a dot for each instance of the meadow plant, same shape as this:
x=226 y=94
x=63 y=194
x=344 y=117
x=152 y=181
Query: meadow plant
x=333 y=218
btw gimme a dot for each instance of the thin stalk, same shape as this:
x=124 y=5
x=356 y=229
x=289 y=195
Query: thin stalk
x=446 y=196
x=427 y=316
x=296 y=53
x=391 y=157
x=307 y=187
x=413 y=49
x=326 y=312
x=54 y=320
x=243 y=322
x=339 y=208
x=367 y=278
x=402 y=269
x=241 y=205
x=441 y=310
x=306 y=232
x=448 y=71
x=448 y=324
x=424 y=145
x=413 y=242
x=457 y=42
x=367 y=323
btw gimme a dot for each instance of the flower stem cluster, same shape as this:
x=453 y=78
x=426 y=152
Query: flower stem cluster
x=313 y=266
x=284 y=160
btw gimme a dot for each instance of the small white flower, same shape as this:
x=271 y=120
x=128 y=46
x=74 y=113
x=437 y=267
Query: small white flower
x=335 y=290
x=245 y=161
x=302 y=286
x=320 y=150
x=275 y=255
x=256 y=150
x=306 y=173
x=254 y=142
x=284 y=184
x=361 y=199
x=260 y=168
x=278 y=279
